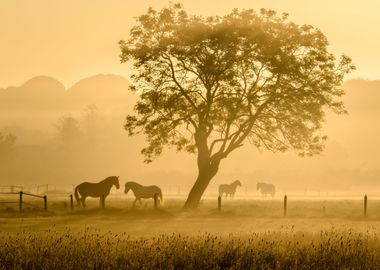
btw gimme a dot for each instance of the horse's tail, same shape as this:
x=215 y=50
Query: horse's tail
x=76 y=194
x=161 y=197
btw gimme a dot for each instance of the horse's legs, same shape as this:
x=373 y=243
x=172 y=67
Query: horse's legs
x=140 y=202
x=102 y=201
x=83 y=201
x=134 y=203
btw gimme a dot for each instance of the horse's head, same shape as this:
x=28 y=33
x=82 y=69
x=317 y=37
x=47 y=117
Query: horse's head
x=258 y=186
x=238 y=183
x=127 y=187
x=115 y=182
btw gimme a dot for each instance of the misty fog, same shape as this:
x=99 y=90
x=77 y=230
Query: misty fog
x=65 y=135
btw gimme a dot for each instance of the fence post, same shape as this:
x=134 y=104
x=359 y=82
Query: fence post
x=71 y=202
x=365 y=205
x=45 y=203
x=324 y=207
x=155 y=201
x=220 y=203
x=285 y=204
x=20 y=201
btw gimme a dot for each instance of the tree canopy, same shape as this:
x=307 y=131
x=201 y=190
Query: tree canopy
x=210 y=84
x=242 y=76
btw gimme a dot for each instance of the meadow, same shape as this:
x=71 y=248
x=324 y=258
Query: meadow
x=246 y=234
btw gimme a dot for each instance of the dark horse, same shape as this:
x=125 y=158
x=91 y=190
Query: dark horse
x=229 y=189
x=101 y=190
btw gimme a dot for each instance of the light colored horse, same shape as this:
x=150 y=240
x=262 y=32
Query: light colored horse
x=101 y=190
x=266 y=189
x=229 y=189
x=143 y=192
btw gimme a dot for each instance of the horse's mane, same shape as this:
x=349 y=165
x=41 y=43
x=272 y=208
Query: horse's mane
x=265 y=184
x=108 y=179
x=133 y=184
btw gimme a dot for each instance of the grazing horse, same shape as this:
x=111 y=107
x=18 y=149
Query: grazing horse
x=143 y=192
x=229 y=189
x=266 y=189
x=101 y=190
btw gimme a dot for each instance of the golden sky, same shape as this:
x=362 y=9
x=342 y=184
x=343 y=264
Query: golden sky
x=72 y=39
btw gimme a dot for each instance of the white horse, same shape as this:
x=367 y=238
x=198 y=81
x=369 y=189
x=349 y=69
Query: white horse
x=266 y=189
x=143 y=192
x=229 y=189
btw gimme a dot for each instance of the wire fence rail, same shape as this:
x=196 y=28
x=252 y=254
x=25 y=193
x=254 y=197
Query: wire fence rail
x=285 y=205
x=183 y=190
x=65 y=192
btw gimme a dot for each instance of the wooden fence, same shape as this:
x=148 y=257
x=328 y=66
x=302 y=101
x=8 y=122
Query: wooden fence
x=12 y=190
x=286 y=205
x=21 y=202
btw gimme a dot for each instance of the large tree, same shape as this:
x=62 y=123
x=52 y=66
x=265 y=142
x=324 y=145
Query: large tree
x=208 y=85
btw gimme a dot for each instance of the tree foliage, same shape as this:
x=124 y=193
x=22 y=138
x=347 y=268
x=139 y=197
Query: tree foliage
x=210 y=84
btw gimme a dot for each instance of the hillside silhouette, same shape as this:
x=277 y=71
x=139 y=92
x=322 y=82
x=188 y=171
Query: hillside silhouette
x=106 y=91
x=42 y=99
x=38 y=93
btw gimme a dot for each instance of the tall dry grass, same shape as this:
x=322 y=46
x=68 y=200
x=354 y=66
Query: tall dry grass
x=284 y=249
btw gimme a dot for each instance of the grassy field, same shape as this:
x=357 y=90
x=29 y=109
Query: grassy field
x=246 y=234
x=285 y=249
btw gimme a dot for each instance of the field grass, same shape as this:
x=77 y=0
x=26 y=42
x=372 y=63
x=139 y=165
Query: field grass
x=247 y=234
x=285 y=249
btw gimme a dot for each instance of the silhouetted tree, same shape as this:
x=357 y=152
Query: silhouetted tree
x=68 y=129
x=7 y=143
x=208 y=85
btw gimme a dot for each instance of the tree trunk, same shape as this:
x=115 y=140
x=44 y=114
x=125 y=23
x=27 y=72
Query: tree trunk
x=207 y=168
x=204 y=177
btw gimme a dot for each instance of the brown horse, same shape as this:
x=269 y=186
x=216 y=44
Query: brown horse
x=98 y=190
x=266 y=189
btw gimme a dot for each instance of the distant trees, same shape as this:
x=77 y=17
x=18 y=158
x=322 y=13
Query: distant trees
x=7 y=143
x=87 y=129
x=68 y=130
x=93 y=123
x=210 y=85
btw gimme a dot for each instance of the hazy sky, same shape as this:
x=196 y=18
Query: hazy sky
x=72 y=39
